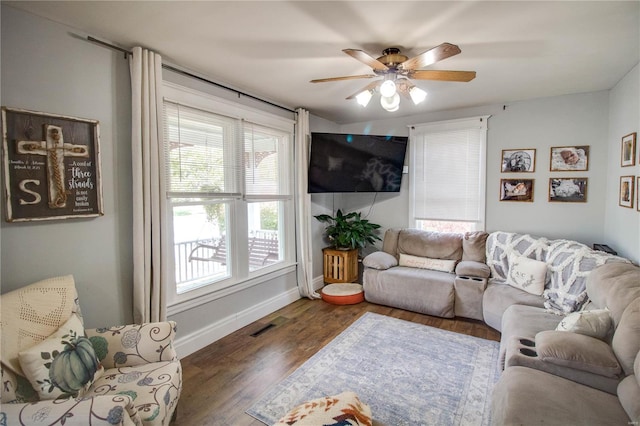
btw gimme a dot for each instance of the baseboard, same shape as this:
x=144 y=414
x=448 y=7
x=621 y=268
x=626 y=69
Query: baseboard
x=318 y=282
x=197 y=340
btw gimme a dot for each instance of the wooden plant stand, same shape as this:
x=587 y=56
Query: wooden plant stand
x=340 y=266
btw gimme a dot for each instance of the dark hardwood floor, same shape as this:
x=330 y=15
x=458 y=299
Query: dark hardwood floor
x=222 y=380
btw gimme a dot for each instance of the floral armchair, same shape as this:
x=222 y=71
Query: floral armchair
x=56 y=372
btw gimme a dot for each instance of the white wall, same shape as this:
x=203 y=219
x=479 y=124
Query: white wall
x=622 y=225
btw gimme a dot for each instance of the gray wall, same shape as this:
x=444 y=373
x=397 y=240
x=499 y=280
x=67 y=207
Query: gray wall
x=45 y=68
x=622 y=225
x=580 y=119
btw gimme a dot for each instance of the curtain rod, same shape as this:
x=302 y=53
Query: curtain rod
x=188 y=74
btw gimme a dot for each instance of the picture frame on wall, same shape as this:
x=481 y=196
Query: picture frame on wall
x=518 y=160
x=628 y=150
x=626 y=193
x=568 y=190
x=638 y=193
x=569 y=158
x=516 y=190
x=51 y=166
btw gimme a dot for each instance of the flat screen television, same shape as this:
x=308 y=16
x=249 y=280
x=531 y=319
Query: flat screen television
x=356 y=163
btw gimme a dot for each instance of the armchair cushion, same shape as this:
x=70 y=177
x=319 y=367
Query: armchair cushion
x=64 y=364
x=32 y=313
x=107 y=410
x=380 y=260
x=131 y=345
x=577 y=351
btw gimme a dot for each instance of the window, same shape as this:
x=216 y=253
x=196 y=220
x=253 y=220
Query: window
x=447 y=175
x=229 y=194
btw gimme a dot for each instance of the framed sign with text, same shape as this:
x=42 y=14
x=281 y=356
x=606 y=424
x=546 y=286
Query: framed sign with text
x=51 y=166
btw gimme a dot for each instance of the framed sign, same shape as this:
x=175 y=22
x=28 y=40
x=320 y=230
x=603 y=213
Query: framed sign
x=51 y=166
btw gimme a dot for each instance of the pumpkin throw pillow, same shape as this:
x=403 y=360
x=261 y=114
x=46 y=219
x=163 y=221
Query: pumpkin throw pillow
x=65 y=364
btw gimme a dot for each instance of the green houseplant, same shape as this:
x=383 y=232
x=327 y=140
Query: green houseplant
x=349 y=231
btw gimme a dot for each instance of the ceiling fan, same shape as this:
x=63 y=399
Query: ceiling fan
x=397 y=70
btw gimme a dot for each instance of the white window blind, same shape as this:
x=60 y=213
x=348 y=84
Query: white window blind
x=200 y=152
x=265 y=151
x=448 y=170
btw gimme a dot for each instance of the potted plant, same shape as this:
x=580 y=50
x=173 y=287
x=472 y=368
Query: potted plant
x=349 y=231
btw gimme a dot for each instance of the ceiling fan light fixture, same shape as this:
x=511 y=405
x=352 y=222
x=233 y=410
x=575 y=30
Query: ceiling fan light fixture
x=390 y=103
x=364 y=97
x=388 y=89
x=417 y=95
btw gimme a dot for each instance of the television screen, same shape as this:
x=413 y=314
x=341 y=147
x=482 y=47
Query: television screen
x=356 y=163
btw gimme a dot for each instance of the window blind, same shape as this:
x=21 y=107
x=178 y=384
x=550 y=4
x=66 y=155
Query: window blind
x=448 y=170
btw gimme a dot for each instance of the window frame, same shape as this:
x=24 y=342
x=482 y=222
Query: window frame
x=240 y=275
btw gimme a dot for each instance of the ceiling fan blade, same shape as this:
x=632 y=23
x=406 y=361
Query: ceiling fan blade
x=350 y=77
x=404 y=86
x=371 y=86
x=463 y=76
x=438 y=53
x=365 y=58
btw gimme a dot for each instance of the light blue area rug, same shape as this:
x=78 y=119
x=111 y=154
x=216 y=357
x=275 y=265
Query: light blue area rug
x=408 y=373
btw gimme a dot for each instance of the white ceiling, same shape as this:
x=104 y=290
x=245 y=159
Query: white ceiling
x=271 y=49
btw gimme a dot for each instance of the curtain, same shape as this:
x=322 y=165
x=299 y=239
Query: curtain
x=149 y=290
x=303 y=207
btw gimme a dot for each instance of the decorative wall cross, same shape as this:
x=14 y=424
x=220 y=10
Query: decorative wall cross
x=55 y=150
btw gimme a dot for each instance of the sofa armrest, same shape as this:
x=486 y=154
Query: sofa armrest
x=470 y=268
x=99 y=410
x=380 y=260
x=131 y=345
x=577 y=351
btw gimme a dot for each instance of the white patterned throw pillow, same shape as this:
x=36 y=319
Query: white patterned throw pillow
x=64 y=364
x=527 y=274
x=595 y=323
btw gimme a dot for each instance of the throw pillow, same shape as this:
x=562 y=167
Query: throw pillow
x=380 y=260
x=64 y=364
x=595 y=323
x=577 y=351
x=344 y=408
x=527 y=274
x=443 y=265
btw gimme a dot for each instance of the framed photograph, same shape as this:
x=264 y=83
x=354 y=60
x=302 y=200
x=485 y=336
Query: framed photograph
x=51 y=166
x=568 y=190
x=626 y=191
x=638 y=193
x=628 y=150
x=516 y=190
x=518 y=160
x=569 y=158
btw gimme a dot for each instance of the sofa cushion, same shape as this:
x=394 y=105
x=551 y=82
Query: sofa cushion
x=470 y=268
x=31 y=314
x=629 y=395
x=524 y=396
x=435 y=245
x=595 y=323
x=527 y=274
x=577 y=351
x=380 y=260
x=499 y=296
x=474 y=246
x=442 y=265
x=64 y=364
x=613 y=286
x=626 y=339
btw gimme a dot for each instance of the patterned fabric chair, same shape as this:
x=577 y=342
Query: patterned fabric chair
x=56 y=372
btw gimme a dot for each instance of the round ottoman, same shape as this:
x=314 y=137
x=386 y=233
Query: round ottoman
x=343 y=294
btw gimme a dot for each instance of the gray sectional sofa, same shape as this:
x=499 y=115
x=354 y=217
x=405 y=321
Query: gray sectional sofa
x=550 y=376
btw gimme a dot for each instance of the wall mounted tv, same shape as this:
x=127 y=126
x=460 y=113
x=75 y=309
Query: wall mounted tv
x=356 y=163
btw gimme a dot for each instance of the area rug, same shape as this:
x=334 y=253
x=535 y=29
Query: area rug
x=408 y=373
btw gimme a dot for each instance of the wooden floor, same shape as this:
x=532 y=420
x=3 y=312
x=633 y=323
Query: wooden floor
x=222 y=380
